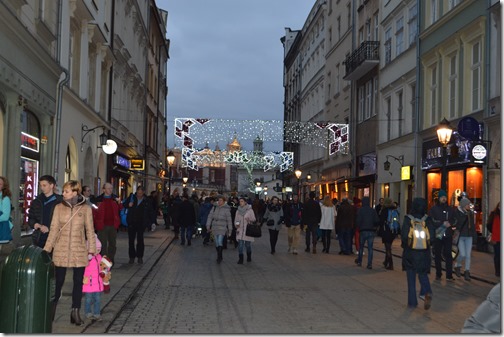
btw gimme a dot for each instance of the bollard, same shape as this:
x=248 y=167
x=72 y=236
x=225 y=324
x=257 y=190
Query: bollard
x=27 y=291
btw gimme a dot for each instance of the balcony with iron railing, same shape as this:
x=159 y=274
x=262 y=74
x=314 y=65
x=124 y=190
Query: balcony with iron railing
x=362 y=60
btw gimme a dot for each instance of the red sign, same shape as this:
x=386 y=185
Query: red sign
x=29 y=142
x=29 y=192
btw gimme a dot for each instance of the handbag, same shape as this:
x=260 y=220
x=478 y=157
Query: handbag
x=123 y=213
x=253 y=230
x=270 y=222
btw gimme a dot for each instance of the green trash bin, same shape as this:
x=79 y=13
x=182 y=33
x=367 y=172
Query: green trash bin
x=27 y=291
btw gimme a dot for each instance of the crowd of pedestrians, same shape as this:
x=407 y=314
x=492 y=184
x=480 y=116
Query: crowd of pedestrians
x=62 y=224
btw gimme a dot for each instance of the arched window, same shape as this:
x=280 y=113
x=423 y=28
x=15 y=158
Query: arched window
x=68 y=167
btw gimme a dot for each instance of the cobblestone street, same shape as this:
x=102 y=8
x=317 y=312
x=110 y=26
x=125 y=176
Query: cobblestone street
x=188 y=292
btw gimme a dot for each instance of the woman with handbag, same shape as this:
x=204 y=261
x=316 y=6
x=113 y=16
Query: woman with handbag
x=5 y=211
x=273 y=217
x=464 y=222
x=493 y=226
x=71 y=223
x=243 y=217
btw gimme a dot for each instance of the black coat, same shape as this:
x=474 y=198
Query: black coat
x=311 y=212
x=418 y=260
x=41 y=211
x=384 y=230
x=140 y=215
x=187 y=215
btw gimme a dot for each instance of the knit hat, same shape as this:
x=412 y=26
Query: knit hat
x=106 y=261
x=464 y=202
x=442 y=193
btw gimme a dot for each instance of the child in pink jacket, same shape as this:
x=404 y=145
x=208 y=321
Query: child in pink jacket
x=93 y=285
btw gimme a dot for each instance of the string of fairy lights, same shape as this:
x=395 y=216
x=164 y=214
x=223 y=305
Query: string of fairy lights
x=190 y=132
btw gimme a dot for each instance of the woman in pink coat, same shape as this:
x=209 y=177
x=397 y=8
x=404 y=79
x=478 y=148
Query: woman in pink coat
x=244 y=216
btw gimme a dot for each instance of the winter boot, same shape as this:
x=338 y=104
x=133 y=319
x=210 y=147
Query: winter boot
x=219 y=253
x=467 y=275
x=249 y=257
x=240 y=258
x=53 y=310
x=75 y=317
x=457 y=272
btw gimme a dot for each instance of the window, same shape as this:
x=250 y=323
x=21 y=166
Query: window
x=412 y=24
x=399 y=36
x=452 y=91
x=433 y=90
x=388 y=114
x=413 y=102
x=360 y=94
x=476 y=76
x=433 y=11
x=376 y=27
x=338 y=24
x=369 y=99
x=368 y=29
x=349 y=15
x=337 y=80
x=375 y=100
x=68 y=165
x=388 y=45
x=400 y=112
x=452 y=3
x=361 y=35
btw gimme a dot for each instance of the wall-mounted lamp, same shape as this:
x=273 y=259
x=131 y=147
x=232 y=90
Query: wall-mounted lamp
x=386 y=165
x=185 y=179
x=308 y=176
x=108 y=146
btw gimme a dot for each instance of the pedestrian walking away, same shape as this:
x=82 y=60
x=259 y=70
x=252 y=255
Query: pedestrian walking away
x=219 y=222
x=243 y=217
x=311 y=218
x=72 y=222
x=368 y=222
x=386 y=232
x=293 y=223
x=187 y=220
x=273 y=218
x=416 y=259
x=345 y=221
x=41 y=210
x=327 y=220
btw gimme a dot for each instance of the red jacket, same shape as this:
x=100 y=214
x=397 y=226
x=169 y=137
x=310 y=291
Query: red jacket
x=100 y=213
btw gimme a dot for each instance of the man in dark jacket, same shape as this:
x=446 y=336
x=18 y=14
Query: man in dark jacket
x=140 y=215
x=175 y=201
x=187 y=220
x=293 y=215
x=310 y=217
x=442 y=215
x=41 y=210
x=205 y=209
x=367 y=222
x=344 y=224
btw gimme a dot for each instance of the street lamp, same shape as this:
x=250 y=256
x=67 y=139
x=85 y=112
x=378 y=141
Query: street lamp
x=444 y=132
x=298 y=176
x=170 y=158
x=258 y=188
x=265 y=192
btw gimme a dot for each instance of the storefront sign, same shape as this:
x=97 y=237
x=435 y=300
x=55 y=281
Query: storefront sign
x=29 y=191
x=405 y=172
x=29 y=142
x=122 y=161
x=469 y=128
x=479 y=154
x=137 y=164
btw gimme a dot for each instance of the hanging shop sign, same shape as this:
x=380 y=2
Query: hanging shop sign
x=29 y=142
x=405 y=172
x=137 y=164
x=479 y=153
x=124 y=162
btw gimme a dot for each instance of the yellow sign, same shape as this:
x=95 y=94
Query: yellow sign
x=137 y=164
x=405 y=172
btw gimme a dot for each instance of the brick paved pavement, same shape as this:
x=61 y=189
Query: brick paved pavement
x=182 y=289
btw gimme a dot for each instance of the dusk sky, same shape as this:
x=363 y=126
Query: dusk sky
x=226 y=58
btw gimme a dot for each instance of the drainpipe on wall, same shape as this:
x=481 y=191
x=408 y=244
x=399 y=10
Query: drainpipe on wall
x=416 y=121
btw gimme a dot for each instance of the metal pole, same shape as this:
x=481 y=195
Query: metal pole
x=444 y=173
x=169 y=180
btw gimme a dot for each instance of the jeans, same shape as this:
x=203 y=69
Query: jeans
x=242 y=243
x=219 y=239
x=136 y=232
x=443 y=246
x=293 y=236
x=186 y=233
x=94 y=300
x=326 y=239
x=497 y=249
x=108 y=239
x=366 y=236
x=78 y=276
x=425 y=287
x=345 y=240
x=311 y=231
x=465 y=248
x=274 y=238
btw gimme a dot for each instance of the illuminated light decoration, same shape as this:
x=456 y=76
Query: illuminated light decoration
x=193 y=131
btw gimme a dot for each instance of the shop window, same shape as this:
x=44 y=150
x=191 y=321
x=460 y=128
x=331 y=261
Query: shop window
x=455 y=186
x=433 y=187
x=474 y=190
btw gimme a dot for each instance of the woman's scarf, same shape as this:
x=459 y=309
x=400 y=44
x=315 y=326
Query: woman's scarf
x=274 y=208
x=73 y=201
x=242 y=209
